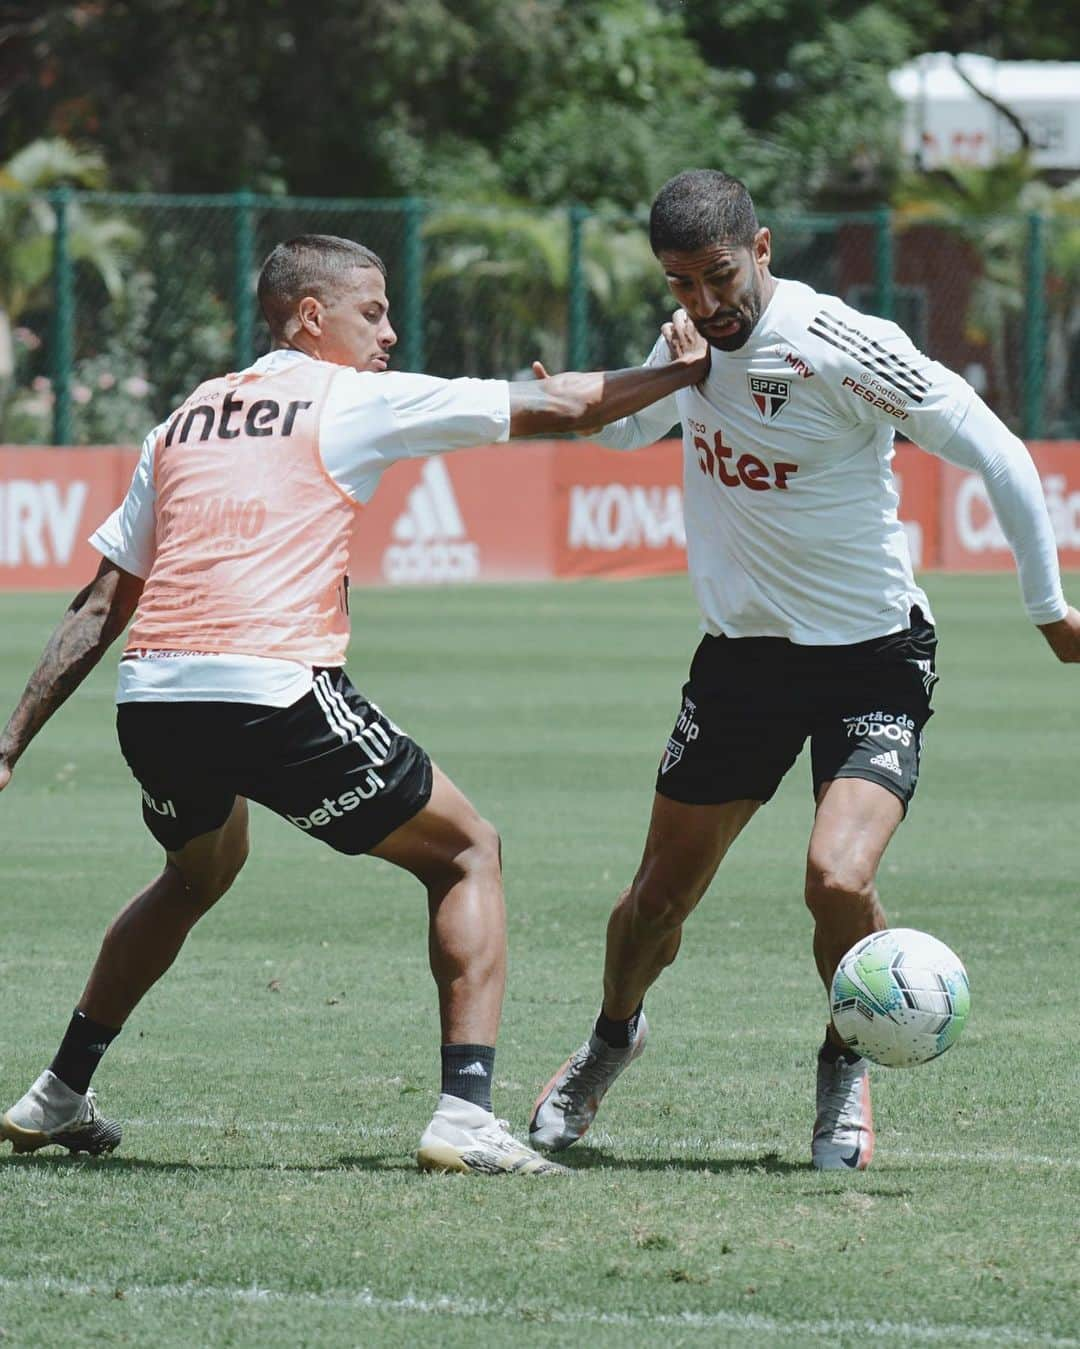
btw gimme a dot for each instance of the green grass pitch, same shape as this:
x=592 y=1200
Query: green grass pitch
x=274 y=1086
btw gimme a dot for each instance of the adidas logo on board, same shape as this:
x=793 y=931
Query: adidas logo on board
x=430 y=542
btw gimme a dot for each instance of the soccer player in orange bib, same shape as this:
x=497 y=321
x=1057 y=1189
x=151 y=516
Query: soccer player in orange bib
x=814 y=625
x=231 y=550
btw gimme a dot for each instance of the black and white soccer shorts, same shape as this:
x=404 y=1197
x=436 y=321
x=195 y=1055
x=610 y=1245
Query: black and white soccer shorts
x=331 y=764
x=751 y=703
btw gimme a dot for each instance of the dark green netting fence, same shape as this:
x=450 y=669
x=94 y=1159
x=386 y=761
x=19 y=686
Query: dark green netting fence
x=113 y=306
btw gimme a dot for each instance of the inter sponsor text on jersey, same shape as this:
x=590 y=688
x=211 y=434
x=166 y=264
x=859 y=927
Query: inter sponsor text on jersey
x=791 y=507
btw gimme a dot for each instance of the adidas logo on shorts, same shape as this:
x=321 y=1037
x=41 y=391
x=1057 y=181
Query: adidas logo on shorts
x=889 y=761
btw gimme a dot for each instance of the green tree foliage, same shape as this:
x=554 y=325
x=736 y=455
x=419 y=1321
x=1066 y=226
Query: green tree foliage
x=498 y=285
x=520 y=106
x=27 y=223
x=1009 y=30
x=813 y=93
x=637 y=103
x=99 y=242
x=357 y=98
x=541 y=100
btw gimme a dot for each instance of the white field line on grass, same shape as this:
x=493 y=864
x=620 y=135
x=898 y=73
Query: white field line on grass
x=700 y=1146
x=487 y=1309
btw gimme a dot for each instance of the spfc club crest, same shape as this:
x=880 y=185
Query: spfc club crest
x=672 y=755
x=770 y=395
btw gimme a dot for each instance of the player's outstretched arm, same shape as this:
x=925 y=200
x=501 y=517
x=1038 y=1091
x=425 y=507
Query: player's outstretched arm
x=677 y=337
x=97 y=615
x=578 y=402
x=1064 y=636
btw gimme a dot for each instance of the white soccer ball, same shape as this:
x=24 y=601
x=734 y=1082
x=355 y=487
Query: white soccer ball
x=900 y=997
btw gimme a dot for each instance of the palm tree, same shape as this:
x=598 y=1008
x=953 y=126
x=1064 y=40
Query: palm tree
x=982 y=206
x=498 y=286
x=28 y=225
x=1061 y=208
x=500 y=278
x=991 y=208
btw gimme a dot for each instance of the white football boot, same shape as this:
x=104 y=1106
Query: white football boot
x=568 y=1104
x=844 y=1128
x=51 y=1113
x=463 y=1137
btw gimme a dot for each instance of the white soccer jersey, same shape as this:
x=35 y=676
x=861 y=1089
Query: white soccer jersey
x=790 y=501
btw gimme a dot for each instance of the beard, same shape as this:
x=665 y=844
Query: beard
x=746 y=317
x=729 y=341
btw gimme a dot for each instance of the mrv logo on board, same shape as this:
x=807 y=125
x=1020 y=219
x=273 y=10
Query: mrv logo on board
x=39 y=521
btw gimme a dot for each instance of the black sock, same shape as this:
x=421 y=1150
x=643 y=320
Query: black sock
x=80 y=1051
x=467 y=1071
x=618 y=1034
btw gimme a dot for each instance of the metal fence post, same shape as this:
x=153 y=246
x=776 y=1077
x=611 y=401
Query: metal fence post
x=884 y=264
x=1035 y=327
x=413 y=293
x=243 y=270
x=577 y=309
x=63 y=317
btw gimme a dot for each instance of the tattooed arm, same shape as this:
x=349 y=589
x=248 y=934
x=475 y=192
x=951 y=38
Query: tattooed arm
x=94 y=619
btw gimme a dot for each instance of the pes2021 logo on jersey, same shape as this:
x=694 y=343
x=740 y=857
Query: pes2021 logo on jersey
x=770 y=395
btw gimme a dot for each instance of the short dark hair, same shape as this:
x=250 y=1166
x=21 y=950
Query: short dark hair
x=701 y=207
x=309 y=264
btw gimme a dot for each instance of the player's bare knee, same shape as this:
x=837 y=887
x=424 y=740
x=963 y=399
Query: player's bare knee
x=832 y=891
x=232 y=865
x=204 y=886
x=658 y=911
x=477 y=858
x=481 y=857
x=487 y=849
x=225 y=870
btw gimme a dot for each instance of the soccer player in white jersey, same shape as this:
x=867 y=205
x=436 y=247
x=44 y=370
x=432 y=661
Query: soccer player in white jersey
x=231 y=549
x=814 y=625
